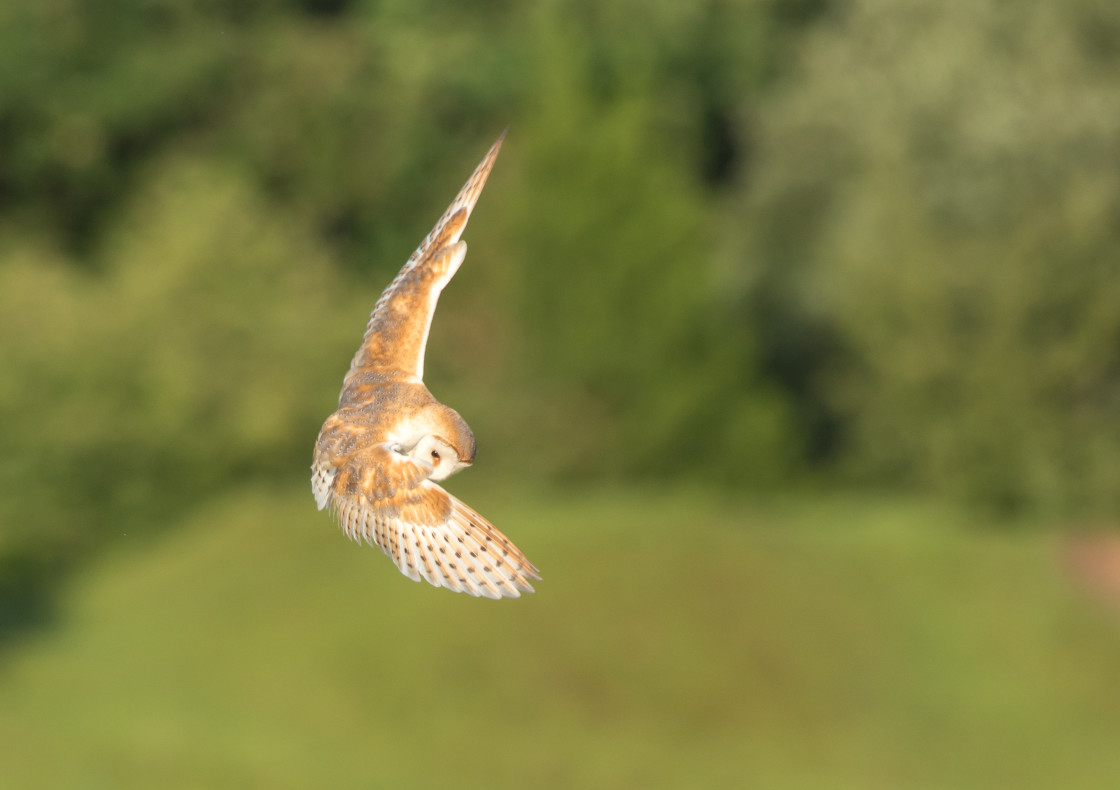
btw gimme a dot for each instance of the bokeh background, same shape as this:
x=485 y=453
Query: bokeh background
x=790 y=332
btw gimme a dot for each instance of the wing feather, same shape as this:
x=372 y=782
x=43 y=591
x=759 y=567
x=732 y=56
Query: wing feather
x=397 y=332
x=427 y=532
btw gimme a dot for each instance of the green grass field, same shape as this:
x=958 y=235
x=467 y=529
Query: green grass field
x=676 y=641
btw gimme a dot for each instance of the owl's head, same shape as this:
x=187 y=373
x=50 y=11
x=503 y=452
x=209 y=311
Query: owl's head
x=440 y=455
x=448 y=446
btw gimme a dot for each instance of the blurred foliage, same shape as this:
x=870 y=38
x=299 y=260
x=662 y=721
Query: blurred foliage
x=935 y=236
x=741 y=241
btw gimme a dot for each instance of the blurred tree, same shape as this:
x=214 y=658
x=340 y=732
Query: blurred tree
x=624 y=322
x=129 y=395
x=935 y=233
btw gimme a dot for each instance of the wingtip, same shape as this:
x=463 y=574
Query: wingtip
x=471 y=190
x=482 y=172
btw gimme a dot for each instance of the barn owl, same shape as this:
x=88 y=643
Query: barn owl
x=378 y=459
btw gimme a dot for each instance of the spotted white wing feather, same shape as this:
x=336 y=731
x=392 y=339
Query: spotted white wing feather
x=461 y=551
x=321 y=479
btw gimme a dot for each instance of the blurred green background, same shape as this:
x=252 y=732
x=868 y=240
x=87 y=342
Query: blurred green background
x=790 y=333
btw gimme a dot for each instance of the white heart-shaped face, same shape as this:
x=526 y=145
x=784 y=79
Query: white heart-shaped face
x=438 y=455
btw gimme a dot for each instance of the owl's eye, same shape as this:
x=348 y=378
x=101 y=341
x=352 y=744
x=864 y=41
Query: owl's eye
x=435 y=455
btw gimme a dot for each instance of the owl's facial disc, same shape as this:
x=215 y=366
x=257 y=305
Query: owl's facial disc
x=439 y=456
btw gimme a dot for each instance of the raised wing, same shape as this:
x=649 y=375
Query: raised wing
x=397 y=332
x=385 y=498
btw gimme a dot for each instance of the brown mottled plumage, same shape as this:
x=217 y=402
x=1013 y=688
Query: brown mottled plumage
x=377 y=458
